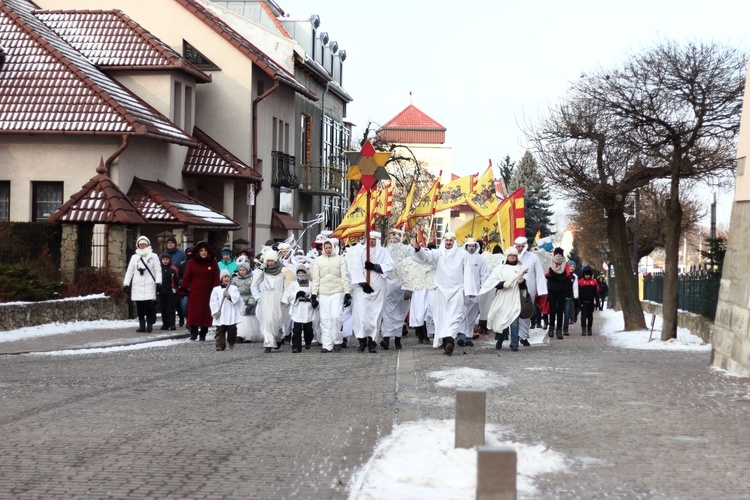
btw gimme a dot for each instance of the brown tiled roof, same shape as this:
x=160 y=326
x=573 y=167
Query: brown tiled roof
x=48 y=87
x=257 y=56
x=100 y=201
x=162 y=204
x=212 y=159
x=2 y=57
x=412 y=126
x=112 y=40
x=282 y=220
x=413 y=118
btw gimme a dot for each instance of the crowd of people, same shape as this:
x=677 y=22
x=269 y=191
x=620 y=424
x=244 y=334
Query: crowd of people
x=368 y=293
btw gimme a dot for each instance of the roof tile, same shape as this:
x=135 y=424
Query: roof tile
x=212 y=159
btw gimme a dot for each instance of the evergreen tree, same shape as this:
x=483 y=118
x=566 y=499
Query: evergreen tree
x=506 y=170
x=537 y=201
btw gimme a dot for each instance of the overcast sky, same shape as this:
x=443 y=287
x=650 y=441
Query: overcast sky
x=481 y=69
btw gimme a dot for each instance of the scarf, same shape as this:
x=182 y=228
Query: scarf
x=559 y=264
x=275 y=269
x=144 y=253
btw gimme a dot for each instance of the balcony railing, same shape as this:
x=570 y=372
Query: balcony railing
x=322 y=180
x=284 y=170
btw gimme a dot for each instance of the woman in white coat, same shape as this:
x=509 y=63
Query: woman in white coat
x=505 y=284
x=142 y=279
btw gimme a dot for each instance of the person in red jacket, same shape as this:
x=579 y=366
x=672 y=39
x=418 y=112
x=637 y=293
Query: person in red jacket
x=201 y=276
x=588 y=294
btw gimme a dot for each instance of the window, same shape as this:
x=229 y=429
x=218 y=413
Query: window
x=194 y=56
x=45 y=199
x=4 y=201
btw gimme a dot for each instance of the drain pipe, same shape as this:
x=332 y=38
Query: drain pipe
x=255 y=153
x=107 y=166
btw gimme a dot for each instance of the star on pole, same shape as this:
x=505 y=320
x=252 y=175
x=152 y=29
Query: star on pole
x=367 y=165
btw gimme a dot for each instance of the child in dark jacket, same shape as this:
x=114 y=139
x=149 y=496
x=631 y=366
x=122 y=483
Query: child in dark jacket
x=588 y=294
x=168 y=292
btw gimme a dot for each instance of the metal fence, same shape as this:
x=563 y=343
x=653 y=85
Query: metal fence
x=697 y=292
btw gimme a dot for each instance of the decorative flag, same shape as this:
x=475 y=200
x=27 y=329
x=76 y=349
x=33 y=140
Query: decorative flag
x=455 y=192
x=421 y=237
x=355 y=216
x=383 y=201
x=538 y=235
x=508 y=224
x=403 y=218
x=483 y=199
x=426 y=206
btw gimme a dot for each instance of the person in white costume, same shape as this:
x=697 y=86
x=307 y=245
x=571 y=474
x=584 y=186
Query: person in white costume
x=368 y=298
x=397 y=299
x=448 y=306
x=331 y=293
x=504 y=283
x=225 y=303
x=268 y=289
x=476 y=274
x=298 y=297
x=535 y=281
x=248 y=329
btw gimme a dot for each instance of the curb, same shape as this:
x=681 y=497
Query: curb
x=120 y=344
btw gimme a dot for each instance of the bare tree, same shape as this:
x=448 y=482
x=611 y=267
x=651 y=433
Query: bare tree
x=677 y=108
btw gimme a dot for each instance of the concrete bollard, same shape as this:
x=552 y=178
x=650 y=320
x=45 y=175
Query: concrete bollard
x=496 y=473
x=470 y=410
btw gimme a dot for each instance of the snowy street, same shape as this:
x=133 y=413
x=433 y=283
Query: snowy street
x=612 y=415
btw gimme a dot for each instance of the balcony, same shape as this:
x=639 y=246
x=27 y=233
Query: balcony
x=322 y=181
x=284 y=170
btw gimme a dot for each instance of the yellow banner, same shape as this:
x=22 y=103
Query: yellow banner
x=404 y=216
x=502 y=228
x=355 y=216
x=455 y=192
x=384 y=201
x=426 y=206
x=482 y=198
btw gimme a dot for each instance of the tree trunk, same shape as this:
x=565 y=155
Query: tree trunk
x=627 y=286
x=671 y=265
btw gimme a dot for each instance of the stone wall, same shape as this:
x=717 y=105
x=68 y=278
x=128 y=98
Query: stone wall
x=698 y=325
x=96 y=307
x=116 y=248
x=731 y=345
x=69 y=250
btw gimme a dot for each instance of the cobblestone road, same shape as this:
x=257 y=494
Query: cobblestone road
x=184 y=421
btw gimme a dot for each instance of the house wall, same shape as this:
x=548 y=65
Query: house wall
x=731 y=335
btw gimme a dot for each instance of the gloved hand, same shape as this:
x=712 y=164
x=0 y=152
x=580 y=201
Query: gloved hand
x=366 y=288
x=500 y=285
x=217 y=315
x=126 y=289
x=314 y=301
x=369 y=265
x=508 y=284
x=300 y=295
x=226 y=293
x=158 y=288
x=347 y=299
x=407 y=295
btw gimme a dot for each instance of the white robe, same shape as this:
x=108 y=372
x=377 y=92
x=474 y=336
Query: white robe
x=506 y=303
x=448 y=305
x=394 y=310
x=476 y=274
x=268 y=291
x=367 y=308
x=536 y=284
x=229 y=307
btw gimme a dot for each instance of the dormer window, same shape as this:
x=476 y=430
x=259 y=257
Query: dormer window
x=194 y=56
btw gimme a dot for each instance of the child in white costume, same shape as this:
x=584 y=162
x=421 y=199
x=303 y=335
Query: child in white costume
x=298 y=296
x=225 y=303
x=249 y=328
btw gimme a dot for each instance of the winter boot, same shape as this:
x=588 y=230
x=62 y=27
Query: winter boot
x=397 y=342
x=482 y=327
x=204 y=331
x=499 y=337
x=337 y=348
x=362 y=345
x=565 y=331
x=544 y=322
x=448 y=345
x=221 y=341
x=583 y=331
x=141 y=325
x=345 y=343
x=559 y=334
x=588 y=331
x=193 y=333
x=385 y=343
x=372 y=346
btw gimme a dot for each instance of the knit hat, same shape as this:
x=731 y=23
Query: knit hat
x=227 y=250
x=172 y=239
x=223 y=273
x=587 y=270
x=165 y=255
x=558 y=251
x=245 y=264
x=571 y=263
x=142 y=238
x=270 y=255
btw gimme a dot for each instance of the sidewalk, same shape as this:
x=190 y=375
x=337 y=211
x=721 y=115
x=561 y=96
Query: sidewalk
x=84 y=338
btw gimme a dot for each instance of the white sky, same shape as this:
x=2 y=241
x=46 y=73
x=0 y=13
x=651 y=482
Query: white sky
x=483 y=68
x=388 y=473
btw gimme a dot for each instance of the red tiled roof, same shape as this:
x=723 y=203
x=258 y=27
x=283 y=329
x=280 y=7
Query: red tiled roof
x=112 y=40
x=212 y=159
x=163 y=204
x=253 y=53
x=99 y=202
x=282 y=220
x=275 y=19
x=48 y=87
x=412 y=118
